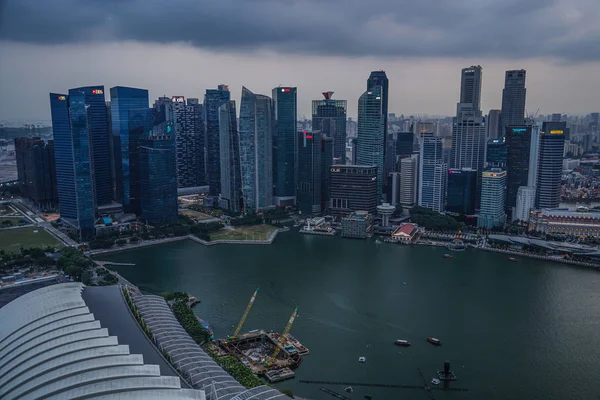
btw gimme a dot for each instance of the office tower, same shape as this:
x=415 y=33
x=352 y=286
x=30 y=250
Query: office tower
x=379 y=78
x=404 y=144
x=285 y=171
x=327 y=149
x=72 y=148
x=518 y=149
x=329 y=117
x=123 y=99
x=371 y=132
x=353 y=188
x=140 y=124
x=460 y=197
x=213 y=100
x=468 y=127
x=493 y=125
x=395 y=188
x=354 y=151
x=594 y=122
x=534 y=155
x=556 y=117
x=552 y=143
x=256 y=151
x=158 y=178
x=513 y=100
x=432 y=174
x=36 y=171
x=493 y=193
x=309 y=172
x=525 y=202
x=159 y=109
x=409 y=181
x=229 y=150
x=496 y=153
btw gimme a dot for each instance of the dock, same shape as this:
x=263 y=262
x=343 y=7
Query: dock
x=278 y=375
x=318 y=232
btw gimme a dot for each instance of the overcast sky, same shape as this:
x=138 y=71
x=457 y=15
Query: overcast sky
x=182 y=47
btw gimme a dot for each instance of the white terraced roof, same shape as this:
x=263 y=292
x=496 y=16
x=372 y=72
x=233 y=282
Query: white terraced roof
x=52 y=347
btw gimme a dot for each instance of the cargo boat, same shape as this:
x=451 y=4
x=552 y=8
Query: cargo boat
x=434 y=341
x=402 y=342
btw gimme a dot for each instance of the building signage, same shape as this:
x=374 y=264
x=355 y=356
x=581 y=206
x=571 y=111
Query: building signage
x=286 y=90
x=556 y=132
x=178 y=99
x=62 y=97
x=97 y=91
x=335 y=170
x=519 y=129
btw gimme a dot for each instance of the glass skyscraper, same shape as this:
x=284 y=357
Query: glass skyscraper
x=36 y=171
x=309 y=172
x=551 y=150
x=518 y=147
x=256 y=151
x=327 y=150
x=513 y=101
x=496 y=153
x=139 y=126
x=329 y=117
x=371 y=132
x=379 y=78
x=213 y=100
x=123 y=99
x=158 y=178
x=493 y=193
x=229 y=163
x=72 y=160
x=285 y=161
x=460 y=196
x=432 y=174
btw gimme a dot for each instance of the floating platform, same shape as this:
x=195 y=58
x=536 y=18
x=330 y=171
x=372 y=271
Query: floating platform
x=450 y=376
x=318 y=232
x=278 y=375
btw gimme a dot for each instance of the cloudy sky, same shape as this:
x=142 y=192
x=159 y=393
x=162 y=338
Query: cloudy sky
x=182 y=47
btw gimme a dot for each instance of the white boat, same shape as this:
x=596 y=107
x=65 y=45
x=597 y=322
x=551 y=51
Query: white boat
x=435 y=381
x=362 y=359
x=349 y=389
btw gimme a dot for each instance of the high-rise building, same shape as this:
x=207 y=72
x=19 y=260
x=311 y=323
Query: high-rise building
x=432 y=174
x=229 y=150
x=496 y=153
x=327 y=149
x=518 y=149
x=409 y=180
x=72 y=148
x=213 y=100
x=371 y=132
x=404 y=144
x=534 y=155
x=460 y=197
x=329 y=117
x=285 y=171
x=123 y=99
x=158 y=179
x=556 y=117
x=552 y=143
x=353 y=188
x=525 y=202
x=256 y=151
x=513 y=100
x=493 y=125
x=309 y=172
x=354 y=151
x=493 y=193
x=379 y=78
x=36 y=171
x=140 y=124
x=468 y=127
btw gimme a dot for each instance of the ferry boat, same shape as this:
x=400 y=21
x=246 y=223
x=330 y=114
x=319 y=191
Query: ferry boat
x=448 y=255
x=402 y=342
x=362 y=359
x=435 y=381
x=434 y=341
x=512 y=259
x=456 y=245
x=349 y=389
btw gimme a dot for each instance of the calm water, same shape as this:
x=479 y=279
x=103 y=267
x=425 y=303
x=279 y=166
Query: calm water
x=528 y=330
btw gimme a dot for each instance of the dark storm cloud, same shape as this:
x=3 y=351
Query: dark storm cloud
x=563 y=29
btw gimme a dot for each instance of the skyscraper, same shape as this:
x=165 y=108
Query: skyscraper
x=432 y=174
x=552 y=143
x=309 y=172
x=518 y=148
x=213 y=100
x=123 y=99
x=329 y=117
x=409 y=181
x=327 y=150
x=493 y=193
x=285 y=161
x=525 y=202
x=256 y=151
x=229 y=150
x=493 y=125
x=72 y=147
x=140 y=124
x=353 y=188
x=496 y=153
x=404 y=144
x=460 y=197
x=379 y=78
x=371 y=132
x=468 y=127
x=513 y=100
x=158 y=179
x=36 y=171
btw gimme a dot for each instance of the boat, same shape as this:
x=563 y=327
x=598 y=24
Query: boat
x=377 y=241
x=402 y=342
x=512 y=259
x=435 y=381
x=456 y=245
x=448 y=255
x=362 y=359
x=433 y=340
x=349 y=389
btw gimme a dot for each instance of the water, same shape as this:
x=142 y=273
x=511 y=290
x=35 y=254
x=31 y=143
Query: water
x=527 y=330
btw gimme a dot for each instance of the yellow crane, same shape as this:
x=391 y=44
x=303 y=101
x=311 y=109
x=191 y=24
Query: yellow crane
x=281 y=340
x=241 y=323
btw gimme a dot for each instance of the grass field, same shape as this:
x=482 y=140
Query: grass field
x=198 y=216
x=15 y=221
x=255 y=232
x=11 y=240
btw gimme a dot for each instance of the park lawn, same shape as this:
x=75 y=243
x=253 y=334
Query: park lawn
x=11 y=240
x=15 y=221
x=197 y=215
x=254 y=232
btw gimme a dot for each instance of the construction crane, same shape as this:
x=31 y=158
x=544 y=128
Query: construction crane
x=241 y=323
x=281 y=340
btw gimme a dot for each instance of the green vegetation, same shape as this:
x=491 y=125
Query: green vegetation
x=7 y=222
x=169 y=296
x=106 y=277
x=250 y=219
x=434 y=221
x=255 y=232
x=188 y=320
x=73 y=263
x=13 y=240
x=235 y=368
x=288 y=392
x=34 y=257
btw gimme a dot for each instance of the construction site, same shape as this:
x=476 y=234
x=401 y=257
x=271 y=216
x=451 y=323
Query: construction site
x=266 y=353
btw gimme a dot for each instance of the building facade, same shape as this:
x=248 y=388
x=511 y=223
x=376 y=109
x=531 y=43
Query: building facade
x=140 y=124
x=518 y=149
x=213 y=100
x=493 y=194
x=353 y=188
x=513 y=100
x=327 y=149
x=580 y=223
x=371 y=132
x=493 y=125
x=329 y=117
x=551 y=147
x=36 y=171
x=432 y=174
x=256 y=151
x=404 y=144
x=229 y=151
x=357 y=225
x=525 y=203
x=285 y=142
x=460 y=196
x=409 y=181
x=496 y=153
x=309 y=172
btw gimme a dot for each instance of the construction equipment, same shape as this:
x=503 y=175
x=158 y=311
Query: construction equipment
x=241 y=323
x=281 y=340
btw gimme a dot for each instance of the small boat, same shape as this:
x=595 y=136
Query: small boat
x=377 y=241
x=404 y=283
x=512 y=259
x=362 y=359
x=448 y=255
x=433 y=340
x=402 y=342
x=349 y=389
x=435 y=381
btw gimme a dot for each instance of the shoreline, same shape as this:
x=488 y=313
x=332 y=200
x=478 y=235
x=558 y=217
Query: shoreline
x=543 y=258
